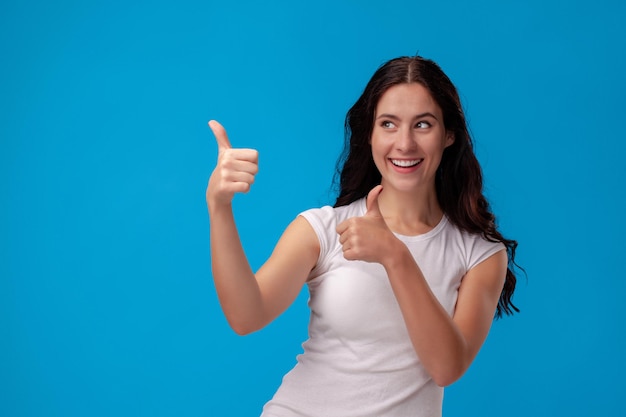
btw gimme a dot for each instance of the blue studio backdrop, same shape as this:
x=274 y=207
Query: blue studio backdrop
x=107 y=305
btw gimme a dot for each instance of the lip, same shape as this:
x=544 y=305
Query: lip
x=405 y=165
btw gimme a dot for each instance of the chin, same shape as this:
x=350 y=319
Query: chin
x=402 y=188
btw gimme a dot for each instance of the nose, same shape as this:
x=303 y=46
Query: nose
x=405 y=141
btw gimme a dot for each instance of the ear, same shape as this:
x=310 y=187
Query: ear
x=449 y=138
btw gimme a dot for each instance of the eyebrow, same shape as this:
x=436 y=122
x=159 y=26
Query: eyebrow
x=417 y=116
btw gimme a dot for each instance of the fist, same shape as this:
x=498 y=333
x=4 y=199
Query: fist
x=234 y=171
x=366 y=238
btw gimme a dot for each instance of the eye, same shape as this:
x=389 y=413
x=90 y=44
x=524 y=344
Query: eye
x=423 y=125
x=387 y=124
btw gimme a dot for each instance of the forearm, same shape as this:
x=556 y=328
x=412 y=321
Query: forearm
x=235 y=283
x=437 y=340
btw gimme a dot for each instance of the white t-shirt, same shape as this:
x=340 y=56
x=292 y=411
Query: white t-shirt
x=359 y=360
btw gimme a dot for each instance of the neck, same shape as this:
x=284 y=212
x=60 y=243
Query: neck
x=410 y=213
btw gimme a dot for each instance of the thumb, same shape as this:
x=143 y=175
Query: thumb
x=372 y=200
x=220 y=135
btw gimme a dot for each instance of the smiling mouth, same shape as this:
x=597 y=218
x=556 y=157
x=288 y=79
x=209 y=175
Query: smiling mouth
x=406 y=163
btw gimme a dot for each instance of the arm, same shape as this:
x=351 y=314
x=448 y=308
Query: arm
x=250 y=301
x=445 y=345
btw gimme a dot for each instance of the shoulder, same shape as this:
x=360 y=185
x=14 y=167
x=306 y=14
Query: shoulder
x=324 y=221
x=327 y=217
x=474 y=246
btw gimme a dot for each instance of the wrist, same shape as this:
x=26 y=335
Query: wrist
x=397 y=255
x=217 y=208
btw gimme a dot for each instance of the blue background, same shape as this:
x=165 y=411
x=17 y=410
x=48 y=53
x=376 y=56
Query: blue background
x=107 y=307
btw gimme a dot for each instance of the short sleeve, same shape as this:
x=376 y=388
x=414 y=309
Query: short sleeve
x=324 y=222
x=481 y=249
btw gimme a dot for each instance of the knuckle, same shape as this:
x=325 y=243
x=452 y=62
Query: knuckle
x=229 y=163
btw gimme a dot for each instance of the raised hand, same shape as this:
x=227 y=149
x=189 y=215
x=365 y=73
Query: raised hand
x=234 y=171
x=366 y=238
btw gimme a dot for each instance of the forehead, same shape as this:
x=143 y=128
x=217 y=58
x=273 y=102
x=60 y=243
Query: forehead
x=406 y=99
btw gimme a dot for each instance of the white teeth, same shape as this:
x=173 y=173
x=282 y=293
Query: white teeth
x=405 y=163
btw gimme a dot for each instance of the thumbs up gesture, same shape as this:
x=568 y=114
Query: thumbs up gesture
x=366 y=238
x=234 y=171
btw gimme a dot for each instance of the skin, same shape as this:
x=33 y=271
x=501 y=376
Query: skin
x=408 y=127
x=250 y=301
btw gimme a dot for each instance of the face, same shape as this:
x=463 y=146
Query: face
x=408 y=138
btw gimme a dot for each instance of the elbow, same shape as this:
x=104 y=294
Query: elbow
x=449 y=368
x=243 y=327
x=448 y=375
x=245 y=322
x=446 y=380
x=242 y=331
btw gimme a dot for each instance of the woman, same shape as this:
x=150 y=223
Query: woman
x=405 y=272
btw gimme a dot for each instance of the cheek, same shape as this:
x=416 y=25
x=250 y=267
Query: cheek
x=379 y=162
x=377 y=150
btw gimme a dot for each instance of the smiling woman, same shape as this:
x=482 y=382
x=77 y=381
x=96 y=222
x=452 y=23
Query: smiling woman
x=408 y=140
x=405 y=272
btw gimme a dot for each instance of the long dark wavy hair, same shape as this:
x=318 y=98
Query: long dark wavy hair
x=459 y=179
